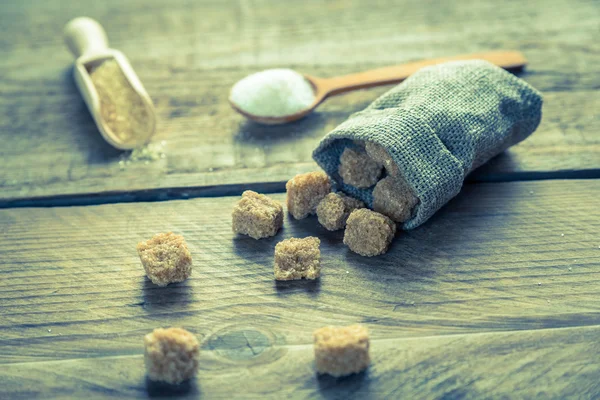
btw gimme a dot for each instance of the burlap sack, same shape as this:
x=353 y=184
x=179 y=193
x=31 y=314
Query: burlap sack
x=439 y=125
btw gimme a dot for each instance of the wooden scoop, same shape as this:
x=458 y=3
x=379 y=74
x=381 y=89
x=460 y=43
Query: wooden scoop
x=88 y=42
x=326 y=87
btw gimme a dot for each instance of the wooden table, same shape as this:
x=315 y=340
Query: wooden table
x=497 y=296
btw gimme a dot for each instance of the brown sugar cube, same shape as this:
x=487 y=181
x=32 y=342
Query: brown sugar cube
x=358 y=169
x=381 y=156
x=166 y=258
x=368 y=233
x=257 y=215
x=171 y=355
x=334 y=209
x=394 y=198
x=305 y=191
x=297 y=259
x=341 y=351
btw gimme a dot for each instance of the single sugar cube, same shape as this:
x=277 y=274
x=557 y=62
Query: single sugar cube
x=394 y=198
x=341 y=351
x=166 y=258
x=171 y=355
x=368 y=233
x=334 y=209
x=381 y=156
x=257 y=215
x=297 y=259
x=305 y=191
x=358 y=169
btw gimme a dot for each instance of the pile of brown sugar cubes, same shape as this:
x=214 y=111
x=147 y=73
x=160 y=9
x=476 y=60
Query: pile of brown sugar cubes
x=172 y=354
x=367 y=232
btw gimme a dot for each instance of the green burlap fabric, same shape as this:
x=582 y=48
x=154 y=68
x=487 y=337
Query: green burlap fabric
x=439 y=125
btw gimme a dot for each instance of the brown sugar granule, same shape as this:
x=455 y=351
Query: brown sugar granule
x=341 y=351
x=358 y=169
x=381 y=156
x=257 y=215
x=305 y=191
x=121 y=106
x=166 y=258
x=368 y=233
x=334 y=209
x=394 y=198
x=297 y=259
x=171 y=355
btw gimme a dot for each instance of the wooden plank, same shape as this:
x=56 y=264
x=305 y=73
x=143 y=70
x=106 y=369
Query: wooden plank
x=553 y=363
x=514 y=262
x=189 y=55
x=549 y=363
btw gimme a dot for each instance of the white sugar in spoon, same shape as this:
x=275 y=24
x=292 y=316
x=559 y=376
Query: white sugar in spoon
x=326 y=87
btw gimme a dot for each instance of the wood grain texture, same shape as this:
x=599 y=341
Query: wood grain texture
x=188 y=54
x=544 y=364
x=495 y=296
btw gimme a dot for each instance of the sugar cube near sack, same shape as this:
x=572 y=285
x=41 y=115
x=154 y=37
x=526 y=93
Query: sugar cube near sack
x=257 y=215
x=358 y=169
x=437 y=126
x=305 y=191
x=369 y=233
x=298 y=258
x=334 y=209
x=392 y=197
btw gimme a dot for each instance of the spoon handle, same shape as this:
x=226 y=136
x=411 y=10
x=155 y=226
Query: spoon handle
x=383 y=76
x=85 y=36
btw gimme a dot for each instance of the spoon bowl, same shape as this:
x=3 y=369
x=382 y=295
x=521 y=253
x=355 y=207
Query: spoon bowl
x=327 y=87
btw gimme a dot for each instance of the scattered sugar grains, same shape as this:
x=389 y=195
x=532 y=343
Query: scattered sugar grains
x=146 y=154
x=358 y=169
x=341 y=351
x=121 y=106
x=171 y=355
x=166 y=258
x=149 y=152
x=257 y=215
x=369 y=233
x=305 y=191
x=297 y=259
x=273 y=93
x=334 y=209
x=394 y=198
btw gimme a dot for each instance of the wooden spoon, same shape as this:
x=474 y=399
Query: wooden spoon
x=326 y=87
x=88 y=42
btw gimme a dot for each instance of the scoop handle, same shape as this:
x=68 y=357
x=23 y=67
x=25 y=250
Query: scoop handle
x=510 y=60
x=85 y=36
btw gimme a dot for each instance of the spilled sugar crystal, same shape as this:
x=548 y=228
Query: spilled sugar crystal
x=146 y=154
x=273 y=93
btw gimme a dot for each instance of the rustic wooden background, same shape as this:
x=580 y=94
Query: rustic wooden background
x=497 y=296
x=189 y=53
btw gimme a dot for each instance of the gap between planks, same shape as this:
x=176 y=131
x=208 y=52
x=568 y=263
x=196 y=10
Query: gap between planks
x=191 y=192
